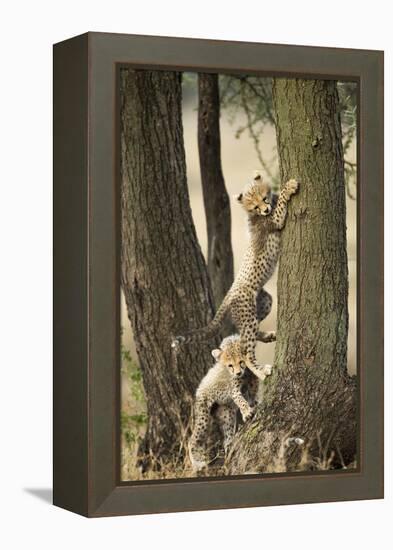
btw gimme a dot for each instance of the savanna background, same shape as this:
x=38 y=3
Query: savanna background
x=248 y=142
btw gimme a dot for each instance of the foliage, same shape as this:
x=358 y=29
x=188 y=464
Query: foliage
x=129 y=421
x=347 y=92
x=132 y=420
x=190 y=87
x=133 y=374
x=251 y=96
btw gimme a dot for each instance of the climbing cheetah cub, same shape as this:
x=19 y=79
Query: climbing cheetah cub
x=223 y=389
x=246 y=301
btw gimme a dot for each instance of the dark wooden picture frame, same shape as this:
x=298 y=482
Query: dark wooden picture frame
x=86 y=275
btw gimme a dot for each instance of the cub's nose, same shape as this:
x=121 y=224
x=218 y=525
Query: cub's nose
x=266 y=210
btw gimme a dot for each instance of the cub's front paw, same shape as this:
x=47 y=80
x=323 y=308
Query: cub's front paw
x=267 y=370
x=248 y=415
x=291 y=187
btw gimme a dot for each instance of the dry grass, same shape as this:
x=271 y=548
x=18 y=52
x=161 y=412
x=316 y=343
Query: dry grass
x=180 y=466
x=323 y=461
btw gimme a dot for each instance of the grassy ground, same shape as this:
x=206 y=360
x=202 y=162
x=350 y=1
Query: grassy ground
x=133 y=414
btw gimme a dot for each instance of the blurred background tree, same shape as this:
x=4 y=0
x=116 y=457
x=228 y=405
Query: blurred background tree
x=215 y=196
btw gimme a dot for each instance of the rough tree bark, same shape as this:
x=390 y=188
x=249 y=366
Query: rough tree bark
x=215 y=196
x=309 y=396
x=163 y=273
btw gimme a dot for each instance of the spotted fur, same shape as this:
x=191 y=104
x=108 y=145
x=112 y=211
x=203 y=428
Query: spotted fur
x=227 y=386
x=247 y=302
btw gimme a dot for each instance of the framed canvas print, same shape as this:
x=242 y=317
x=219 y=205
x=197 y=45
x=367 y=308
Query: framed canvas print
x=218 y=274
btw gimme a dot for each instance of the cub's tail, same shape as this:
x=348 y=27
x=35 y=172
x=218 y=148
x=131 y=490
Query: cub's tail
x=205 y=333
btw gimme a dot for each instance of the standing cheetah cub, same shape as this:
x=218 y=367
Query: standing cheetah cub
x=246 y=301
x=223 y=390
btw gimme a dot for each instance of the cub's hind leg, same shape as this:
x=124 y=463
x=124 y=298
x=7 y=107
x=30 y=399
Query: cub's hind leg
x=264 y=305
x=226 y=418
x=244 y=315
x=198 y=440
x=250 y=388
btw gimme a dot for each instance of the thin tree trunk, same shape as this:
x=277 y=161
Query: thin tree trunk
x=309 y=396
x=215 y=196
x=163 y=273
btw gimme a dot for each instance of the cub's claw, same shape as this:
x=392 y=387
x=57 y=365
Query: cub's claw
x=248 y=415
x=291 y=187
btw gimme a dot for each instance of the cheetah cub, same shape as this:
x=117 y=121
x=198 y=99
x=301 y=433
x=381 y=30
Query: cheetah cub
x=246 y=301
x=220 y=393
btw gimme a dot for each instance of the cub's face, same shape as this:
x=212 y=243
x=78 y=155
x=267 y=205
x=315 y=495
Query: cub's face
x=256 y=198
x=232 y=358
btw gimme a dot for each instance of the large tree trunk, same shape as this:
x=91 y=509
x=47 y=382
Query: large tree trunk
x=163 y=273
x=309 y=395
x=215 y=196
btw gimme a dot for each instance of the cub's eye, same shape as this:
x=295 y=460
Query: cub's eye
x=256 y=207
x=230 y=366
x=266 y=200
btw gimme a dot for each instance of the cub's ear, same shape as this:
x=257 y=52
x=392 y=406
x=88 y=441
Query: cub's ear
x=238 y=197
x=216 y=353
